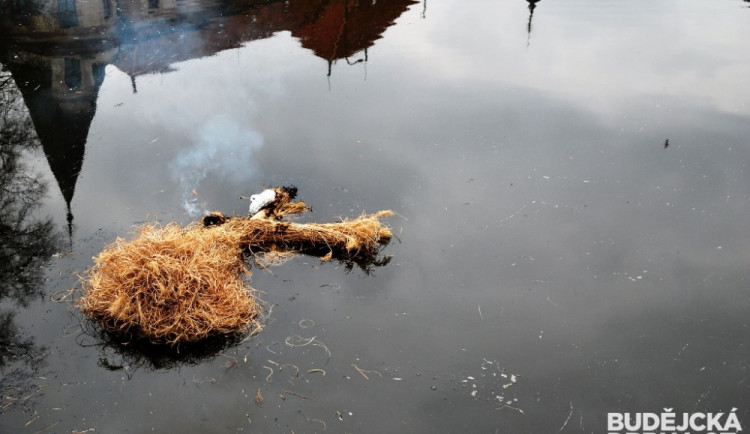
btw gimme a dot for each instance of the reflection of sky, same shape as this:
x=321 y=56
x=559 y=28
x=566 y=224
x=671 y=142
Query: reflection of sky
x=601 y=54
x=173 y=118
x=545 y=226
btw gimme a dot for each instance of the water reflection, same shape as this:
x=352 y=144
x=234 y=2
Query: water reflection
x=27 y=242
x=60 y=94
x=148 y=37
x=537 y=193
x=57 y=51
x=124 y=353
x=532 y=6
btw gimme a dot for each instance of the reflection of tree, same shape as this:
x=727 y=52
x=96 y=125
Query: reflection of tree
x=26 y=243
x=13 y=347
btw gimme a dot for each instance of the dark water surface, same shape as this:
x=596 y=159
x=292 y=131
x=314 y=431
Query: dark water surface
x=570 y=180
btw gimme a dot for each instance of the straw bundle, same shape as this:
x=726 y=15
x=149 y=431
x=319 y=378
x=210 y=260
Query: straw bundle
x=173 y=284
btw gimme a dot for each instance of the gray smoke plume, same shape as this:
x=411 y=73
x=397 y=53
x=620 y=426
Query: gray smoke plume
x=224 y=148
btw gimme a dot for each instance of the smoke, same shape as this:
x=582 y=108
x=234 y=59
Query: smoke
x=224 y=148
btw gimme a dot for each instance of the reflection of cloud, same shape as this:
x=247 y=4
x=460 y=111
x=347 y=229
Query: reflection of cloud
x=224 y=148
x=691 y=354
x=572 y=53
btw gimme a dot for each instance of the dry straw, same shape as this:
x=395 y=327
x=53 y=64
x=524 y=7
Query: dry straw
x=172 y=284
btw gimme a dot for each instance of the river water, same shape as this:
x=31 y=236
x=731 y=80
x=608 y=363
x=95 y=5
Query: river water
x=569 y=178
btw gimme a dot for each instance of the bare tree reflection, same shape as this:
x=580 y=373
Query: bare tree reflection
x=14 y=347
x=26 y=242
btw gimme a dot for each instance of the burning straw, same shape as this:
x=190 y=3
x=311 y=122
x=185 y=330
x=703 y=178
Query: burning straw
x=173 y=284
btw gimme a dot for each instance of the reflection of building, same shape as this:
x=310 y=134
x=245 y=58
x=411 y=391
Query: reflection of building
x=45 y=18
x=345 y=27
x=532 y=6
x=57 y=50
x=153 y=39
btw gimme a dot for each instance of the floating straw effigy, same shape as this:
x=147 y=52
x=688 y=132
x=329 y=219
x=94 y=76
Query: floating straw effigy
x=173 y=284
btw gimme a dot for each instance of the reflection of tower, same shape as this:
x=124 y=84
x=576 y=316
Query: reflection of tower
x=57 y=54
x=61 y=98
x=532 y=6
x=57 y=50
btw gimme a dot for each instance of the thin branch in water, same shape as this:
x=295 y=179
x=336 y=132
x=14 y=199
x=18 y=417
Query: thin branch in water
x=568 y=419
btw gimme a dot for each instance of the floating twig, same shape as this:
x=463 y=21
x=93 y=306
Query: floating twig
x=306 y=323
x=299 y=395
x=362 y=371
x=320 y=421
x=510 y=407
x=268 y=347
x=269 y=374
x=296 y=374
x=45 y=428
x=36 y=416
x=298 y=341
x=61 y=295
x=568 y=418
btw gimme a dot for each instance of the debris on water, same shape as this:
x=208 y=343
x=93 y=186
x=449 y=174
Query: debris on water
x=490 y=384
x=513 y=380
x=261 y=200
x=173 y=284
x=306 y=323
x=298 y=395
x=299 y=341
x=364 y=372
